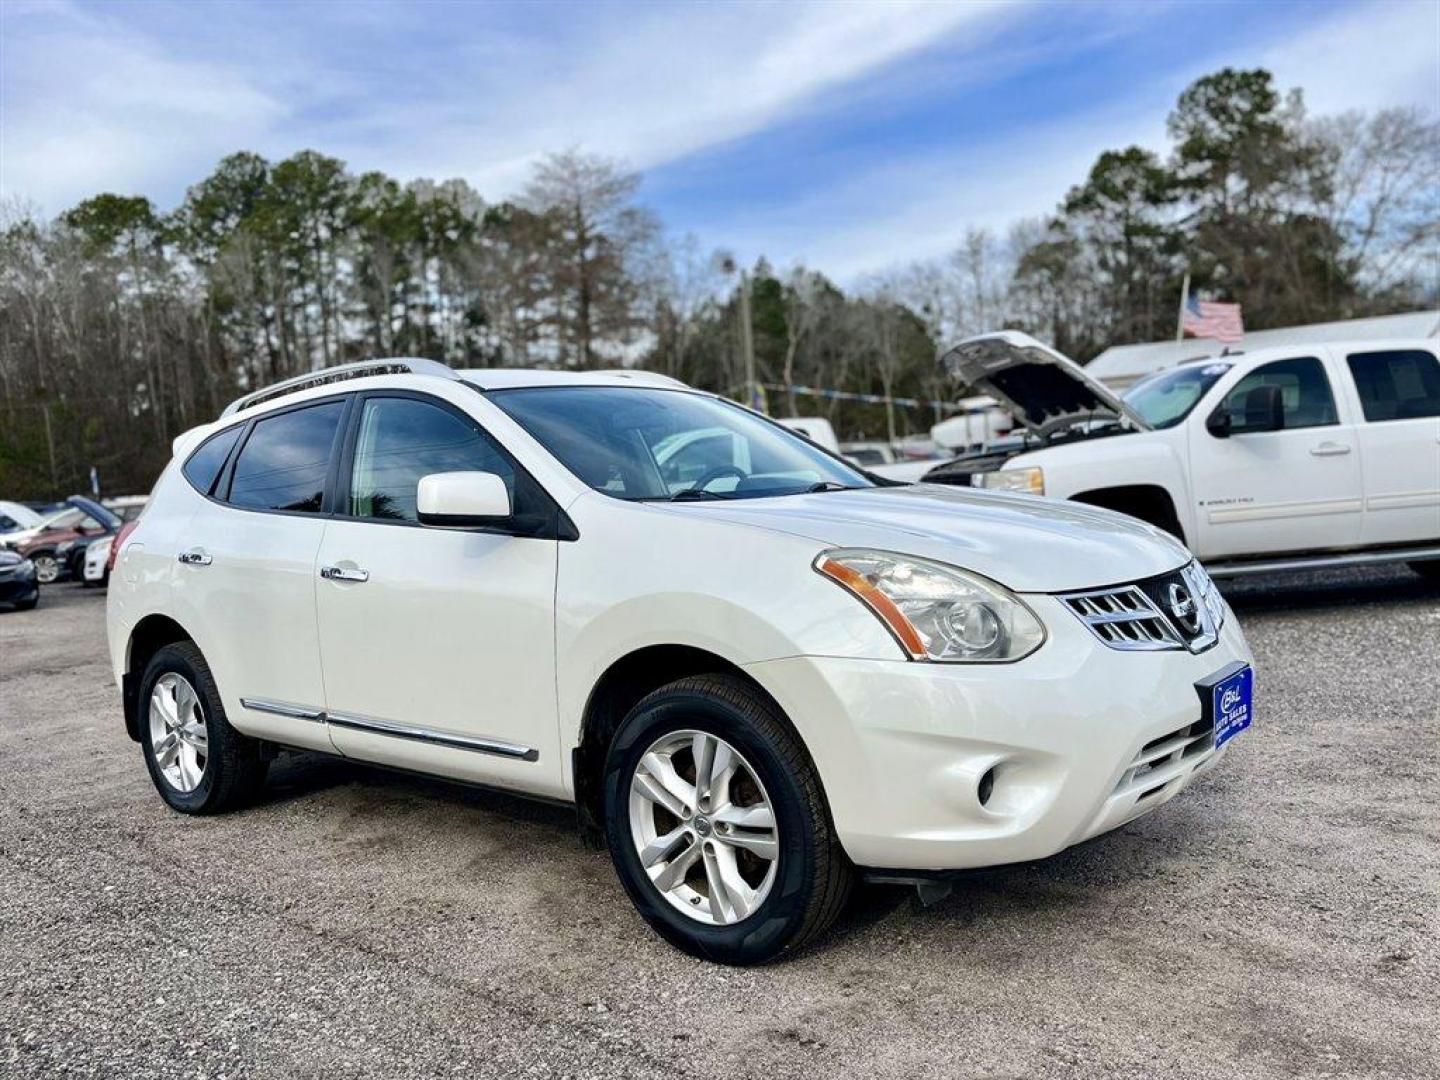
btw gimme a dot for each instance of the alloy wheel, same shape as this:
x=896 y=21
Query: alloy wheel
x=47 y=569
x=178 y=737
x=703 y=827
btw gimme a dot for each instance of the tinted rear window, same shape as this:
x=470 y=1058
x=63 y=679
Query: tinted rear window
x=284 y=462
x=1403 y=384
x=205 y=463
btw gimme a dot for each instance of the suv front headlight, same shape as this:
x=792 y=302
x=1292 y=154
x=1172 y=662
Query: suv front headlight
x=1029 y=481
x=936 y=612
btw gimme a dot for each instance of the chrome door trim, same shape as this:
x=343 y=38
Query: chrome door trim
x=342 y=573
x=279 y=708
x=438 y=738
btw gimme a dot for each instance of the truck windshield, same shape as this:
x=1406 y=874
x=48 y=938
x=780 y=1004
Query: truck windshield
x=1165 y=399
x=646 y=444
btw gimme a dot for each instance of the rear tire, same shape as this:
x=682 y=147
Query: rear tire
x=1429 y=569
x=197 y=761
x=796 y=897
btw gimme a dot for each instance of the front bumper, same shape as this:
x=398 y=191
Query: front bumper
x=1081 y=738
x=18 y=589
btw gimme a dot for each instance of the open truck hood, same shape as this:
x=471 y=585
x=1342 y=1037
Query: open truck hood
x=1044 y=390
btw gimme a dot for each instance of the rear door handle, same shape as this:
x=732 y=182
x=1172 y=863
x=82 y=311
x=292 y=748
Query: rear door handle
x=195 y=557
x=343 y=573
x=1329 y=449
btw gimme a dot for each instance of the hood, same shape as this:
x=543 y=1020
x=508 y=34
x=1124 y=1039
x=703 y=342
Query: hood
x=1044 y=390
x=104 y=515
x=1026 y=543
x=23 y=516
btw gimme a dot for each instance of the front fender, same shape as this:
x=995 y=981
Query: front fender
x=1145 y=458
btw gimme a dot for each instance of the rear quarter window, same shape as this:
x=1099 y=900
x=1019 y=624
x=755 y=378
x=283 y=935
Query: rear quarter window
x=204 y=465
x=1398 y=384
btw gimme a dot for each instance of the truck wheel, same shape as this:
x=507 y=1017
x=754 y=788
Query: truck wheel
x=717 y=824
x=197 y=761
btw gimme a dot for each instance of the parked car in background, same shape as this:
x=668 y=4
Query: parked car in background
x=52 y=544
x=756 y=684
x=16 y=516
x=815 y=428
x=18 y=585
x=868 y=454
x=1284 y=458
x=126 y=507
x=100 y=555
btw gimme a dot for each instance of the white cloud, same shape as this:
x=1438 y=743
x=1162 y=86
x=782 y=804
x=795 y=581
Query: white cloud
x=90 y=103
x=1375 y=56
x=87 y=106
x=1369 y=57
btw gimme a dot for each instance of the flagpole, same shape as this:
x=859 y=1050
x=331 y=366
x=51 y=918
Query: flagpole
x=1184 y=302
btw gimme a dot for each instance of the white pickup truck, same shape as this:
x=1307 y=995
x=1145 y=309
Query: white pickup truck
x=1279 y=459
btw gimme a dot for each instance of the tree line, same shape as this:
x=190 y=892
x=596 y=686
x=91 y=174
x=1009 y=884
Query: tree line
x=122 y=325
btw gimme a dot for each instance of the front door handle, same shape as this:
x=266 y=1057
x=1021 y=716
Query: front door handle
x=195 y=557
x=343 y=573
x=1329 y=449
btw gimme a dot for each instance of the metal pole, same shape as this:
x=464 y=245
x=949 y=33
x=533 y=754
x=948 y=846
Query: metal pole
x=1184 y=303
x=50 y=442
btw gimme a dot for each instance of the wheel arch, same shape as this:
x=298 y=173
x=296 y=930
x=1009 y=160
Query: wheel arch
x=1151 y=503
x=619 y=689
x=147 y=637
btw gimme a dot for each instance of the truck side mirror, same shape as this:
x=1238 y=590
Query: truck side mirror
x=1218 y=422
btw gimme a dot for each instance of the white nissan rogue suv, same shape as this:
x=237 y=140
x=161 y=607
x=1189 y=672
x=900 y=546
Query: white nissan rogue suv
x=756 y=670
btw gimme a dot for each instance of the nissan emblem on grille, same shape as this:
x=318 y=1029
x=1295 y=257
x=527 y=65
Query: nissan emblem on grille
x=1182 y=608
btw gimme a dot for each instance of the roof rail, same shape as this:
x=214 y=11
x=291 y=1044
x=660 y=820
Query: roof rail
x=397 y=365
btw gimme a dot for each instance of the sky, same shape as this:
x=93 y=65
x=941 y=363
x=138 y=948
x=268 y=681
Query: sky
x=847 y=136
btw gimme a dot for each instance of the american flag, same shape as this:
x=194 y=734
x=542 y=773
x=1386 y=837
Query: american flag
x=1207 y=319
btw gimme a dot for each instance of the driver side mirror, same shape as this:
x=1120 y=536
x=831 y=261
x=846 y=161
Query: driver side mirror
x=1264 y=410
x=462 y=500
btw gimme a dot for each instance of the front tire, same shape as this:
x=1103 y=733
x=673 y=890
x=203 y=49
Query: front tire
x=47 y=567
x=197 y=761
x=717 y=824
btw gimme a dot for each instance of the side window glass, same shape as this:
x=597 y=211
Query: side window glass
x=284 y=462
x=402 y=439
x=1403 y=384
x=205 y=463
x=1304 y=390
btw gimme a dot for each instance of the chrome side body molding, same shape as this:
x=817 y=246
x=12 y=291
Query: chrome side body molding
x=439 y=738
x=279 y=708
x=394 y=730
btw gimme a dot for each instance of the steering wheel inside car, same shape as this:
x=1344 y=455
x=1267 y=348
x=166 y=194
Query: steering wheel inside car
x=715 y=474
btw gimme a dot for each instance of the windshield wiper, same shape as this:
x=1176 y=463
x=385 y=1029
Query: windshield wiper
x=829 y=485
x=693 y=494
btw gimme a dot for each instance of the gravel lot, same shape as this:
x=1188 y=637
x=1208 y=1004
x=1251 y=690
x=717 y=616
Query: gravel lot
x=1279 y=919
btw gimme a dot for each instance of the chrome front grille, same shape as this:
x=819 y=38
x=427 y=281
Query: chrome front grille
x=1179 y=610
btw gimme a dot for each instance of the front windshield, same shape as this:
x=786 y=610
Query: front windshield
x=1165 y=399
x=640 y=443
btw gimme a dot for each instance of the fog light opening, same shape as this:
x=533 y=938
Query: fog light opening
x=986 y=786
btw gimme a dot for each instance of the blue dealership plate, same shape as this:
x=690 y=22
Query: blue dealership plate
x=1231 y=704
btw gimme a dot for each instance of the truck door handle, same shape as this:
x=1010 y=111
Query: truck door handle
x=342 y=573
x=1329 y=449
x=195 y=557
